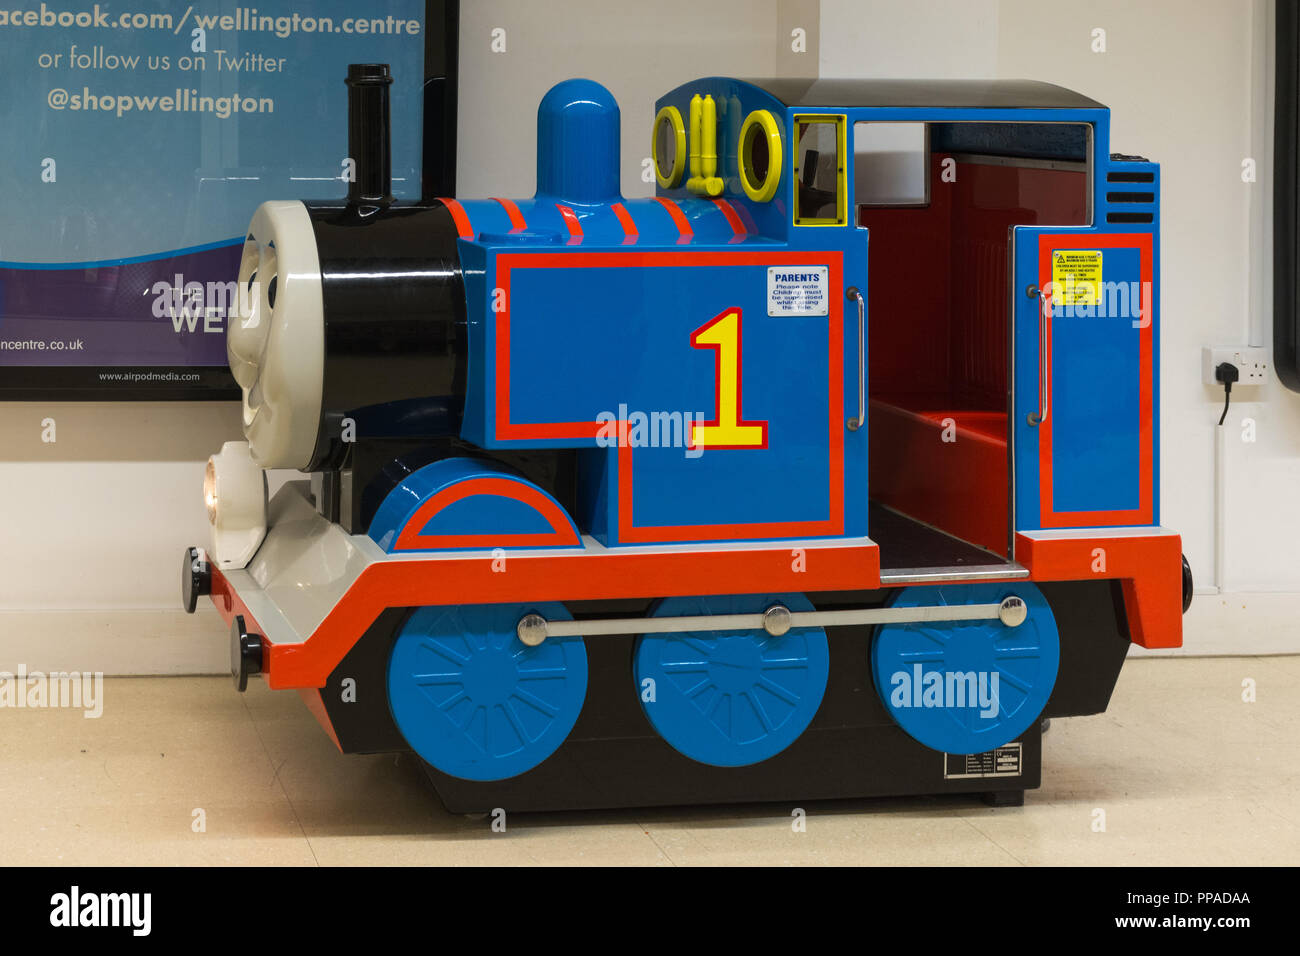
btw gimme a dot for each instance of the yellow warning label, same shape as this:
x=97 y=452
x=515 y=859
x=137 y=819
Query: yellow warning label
x=1076 y=276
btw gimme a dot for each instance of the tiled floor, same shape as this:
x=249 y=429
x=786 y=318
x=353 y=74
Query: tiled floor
x=1183 y=769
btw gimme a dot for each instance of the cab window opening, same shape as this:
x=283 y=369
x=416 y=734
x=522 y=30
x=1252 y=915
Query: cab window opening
x=891 y=164
x=821 y=183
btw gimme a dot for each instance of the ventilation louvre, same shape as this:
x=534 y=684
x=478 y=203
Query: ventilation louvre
x=1126 y=199
x=1130 y=177
x=1130 y=197
x=1129 y=217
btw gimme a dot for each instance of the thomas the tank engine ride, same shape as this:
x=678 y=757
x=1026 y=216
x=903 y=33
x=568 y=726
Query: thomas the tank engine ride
x=830 y=470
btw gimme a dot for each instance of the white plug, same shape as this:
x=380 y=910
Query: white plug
x=1252 y=363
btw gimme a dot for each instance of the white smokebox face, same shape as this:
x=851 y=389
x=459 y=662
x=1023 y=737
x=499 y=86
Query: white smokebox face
x=276 y=340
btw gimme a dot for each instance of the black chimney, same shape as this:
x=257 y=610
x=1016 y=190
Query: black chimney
x=369 y=143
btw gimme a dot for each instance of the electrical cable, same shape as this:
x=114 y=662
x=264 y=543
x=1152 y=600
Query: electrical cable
x=1226 y=373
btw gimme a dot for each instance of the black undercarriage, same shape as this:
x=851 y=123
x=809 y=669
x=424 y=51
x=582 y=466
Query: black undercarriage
x=852 y=749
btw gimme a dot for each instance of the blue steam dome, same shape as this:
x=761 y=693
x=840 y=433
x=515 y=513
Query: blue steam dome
x=578 y=143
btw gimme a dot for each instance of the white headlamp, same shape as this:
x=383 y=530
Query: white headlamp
x=234 y=492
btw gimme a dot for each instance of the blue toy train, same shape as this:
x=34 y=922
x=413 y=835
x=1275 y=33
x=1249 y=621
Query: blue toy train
x=830 y=470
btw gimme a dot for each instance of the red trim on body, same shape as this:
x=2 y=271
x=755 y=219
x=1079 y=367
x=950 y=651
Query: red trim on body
x=625 y=220
x=1150 y=568
x=507 y=430
x=630 y=533
x=562 y=531
x=747 y=218
x=459 y=217
x=733 y=220
x=228 y=603
x=570 y=577
x=511 y=207
x=684 y=230
x=571 y=223
x=1144 y=514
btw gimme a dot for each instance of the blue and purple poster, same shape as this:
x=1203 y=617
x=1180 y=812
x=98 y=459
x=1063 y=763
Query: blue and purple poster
x=136 y=140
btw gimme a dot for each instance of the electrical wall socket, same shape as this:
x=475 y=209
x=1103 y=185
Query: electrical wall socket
x=1252 y=364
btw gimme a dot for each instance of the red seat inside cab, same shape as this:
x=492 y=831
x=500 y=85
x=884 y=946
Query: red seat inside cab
x=944 y=467
x=939 y=315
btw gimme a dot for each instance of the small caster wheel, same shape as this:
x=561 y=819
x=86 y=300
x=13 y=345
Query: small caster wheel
x=196 y=578
x=1045 y=726
x=245 y=653
x=1188 y=585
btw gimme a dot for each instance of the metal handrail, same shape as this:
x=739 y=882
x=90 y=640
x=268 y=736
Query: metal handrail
x=855 y=423
x=1044 y=316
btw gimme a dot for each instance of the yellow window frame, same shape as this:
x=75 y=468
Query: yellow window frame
x=841 y=179
x=763 y=124
x=673 y=117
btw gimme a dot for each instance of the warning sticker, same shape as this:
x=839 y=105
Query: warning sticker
x=798 y=290
x=1003 y=762
x=1076 y=276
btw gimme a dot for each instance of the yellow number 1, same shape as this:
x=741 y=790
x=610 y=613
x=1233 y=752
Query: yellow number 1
x=726 y=430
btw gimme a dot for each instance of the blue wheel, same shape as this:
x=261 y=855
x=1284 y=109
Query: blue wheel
x=967 y=687
x=476 y=702
x=731 y=698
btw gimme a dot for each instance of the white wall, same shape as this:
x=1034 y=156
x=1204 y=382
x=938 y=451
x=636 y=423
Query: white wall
x=1183 y=82
x=96 y=522
x=933 y=39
